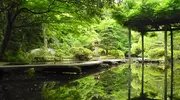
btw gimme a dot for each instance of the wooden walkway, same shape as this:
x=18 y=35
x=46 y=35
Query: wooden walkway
x=146 y=60
x=70 y=67
x=113 y=61
x=89 y=63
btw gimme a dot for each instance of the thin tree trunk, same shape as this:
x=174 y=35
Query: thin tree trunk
x=106 y=51
x=11 y=17
x=7 y=35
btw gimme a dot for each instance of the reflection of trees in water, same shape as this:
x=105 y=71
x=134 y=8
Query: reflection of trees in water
x=21 y=91
x=113 y=85
x=153 y=82
x=177 y=83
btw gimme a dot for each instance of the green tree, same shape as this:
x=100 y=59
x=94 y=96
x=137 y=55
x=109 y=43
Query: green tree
x=18 y=14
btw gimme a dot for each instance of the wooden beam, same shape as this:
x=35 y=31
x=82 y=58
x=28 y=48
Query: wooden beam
x=173 y=29
x=129 y=57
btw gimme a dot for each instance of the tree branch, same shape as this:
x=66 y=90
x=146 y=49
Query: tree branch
x=5 y=8
x=28 y=10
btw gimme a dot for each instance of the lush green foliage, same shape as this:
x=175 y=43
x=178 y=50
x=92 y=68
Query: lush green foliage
x=17 y=56
x=81 y=54
x=117 y=53
x=28 y=22
x=112 y=36
x=139 y=14
x=62 y=25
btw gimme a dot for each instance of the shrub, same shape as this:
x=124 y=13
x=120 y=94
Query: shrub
x=59 y=53
x=41 y=54
x=157 y=53
x=116 y=53
x=81 y=54
x=176 y=54
x=102 y=52
x=135 y=50
x=18 y=56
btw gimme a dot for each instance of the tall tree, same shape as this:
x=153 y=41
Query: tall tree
x=17 y=14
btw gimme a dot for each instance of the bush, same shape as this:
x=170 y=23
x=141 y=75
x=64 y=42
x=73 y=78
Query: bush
x=157 y=53
x=102 y=52
x=18 y=56
x=116 y=53
x=41 y=54
x=176 y=54
x=59 y=54
x=135 y=50
x=81 y=54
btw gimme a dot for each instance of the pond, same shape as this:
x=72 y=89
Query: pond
x=106 y=84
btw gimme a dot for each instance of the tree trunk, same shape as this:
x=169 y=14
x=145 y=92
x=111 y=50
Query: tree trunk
x=7 y=35
x=106 y=51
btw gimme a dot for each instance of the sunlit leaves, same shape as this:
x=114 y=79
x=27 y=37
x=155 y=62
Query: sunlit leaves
x=139 y=13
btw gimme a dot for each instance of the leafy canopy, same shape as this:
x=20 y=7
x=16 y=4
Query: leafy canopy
x=147 y=14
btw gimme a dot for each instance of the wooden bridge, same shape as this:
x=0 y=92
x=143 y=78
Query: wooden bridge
x=68 y=68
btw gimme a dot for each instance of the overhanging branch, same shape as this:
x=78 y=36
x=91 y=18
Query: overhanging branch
x=41 y=12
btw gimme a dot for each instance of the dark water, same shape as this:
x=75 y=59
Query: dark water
x=108 y=84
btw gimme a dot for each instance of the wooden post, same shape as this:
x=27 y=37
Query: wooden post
x=172 y=65
x=165 y=64
x=142 y=84
x=129 y=57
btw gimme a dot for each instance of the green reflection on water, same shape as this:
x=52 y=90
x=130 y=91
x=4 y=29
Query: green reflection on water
x=113 y=85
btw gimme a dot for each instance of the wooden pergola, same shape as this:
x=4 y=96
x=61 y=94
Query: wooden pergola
x=170 y=22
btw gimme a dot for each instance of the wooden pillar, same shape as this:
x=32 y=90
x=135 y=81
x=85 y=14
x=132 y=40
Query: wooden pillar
x=172 y=65
x=142 y=84
x=129 y=68
x=165 y=64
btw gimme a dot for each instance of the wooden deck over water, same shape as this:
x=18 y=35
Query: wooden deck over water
x=89 y=63
x=69 y=67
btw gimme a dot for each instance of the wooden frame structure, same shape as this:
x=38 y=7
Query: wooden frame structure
x=165 y=28
x=150 y=17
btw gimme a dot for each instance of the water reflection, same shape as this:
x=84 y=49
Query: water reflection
x=111 y=84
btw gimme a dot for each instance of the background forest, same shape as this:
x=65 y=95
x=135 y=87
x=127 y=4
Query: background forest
x=67 y=29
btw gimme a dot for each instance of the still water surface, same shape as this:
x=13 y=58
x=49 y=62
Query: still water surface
x=98 y=84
